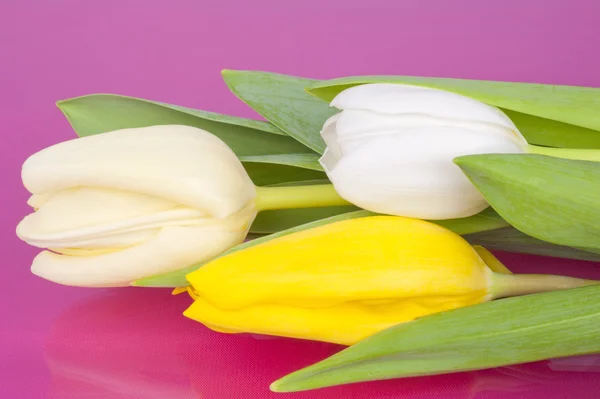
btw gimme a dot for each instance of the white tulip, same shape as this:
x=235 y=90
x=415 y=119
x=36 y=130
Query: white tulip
x=391 y=147
x=115 y=207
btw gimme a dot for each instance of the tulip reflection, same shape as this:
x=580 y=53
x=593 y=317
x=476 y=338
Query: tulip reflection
x=134 y=344
x=120 y=346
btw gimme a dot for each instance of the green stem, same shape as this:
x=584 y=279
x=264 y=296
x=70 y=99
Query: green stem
x=582 y=154
x=505 y=285
x=297 y=197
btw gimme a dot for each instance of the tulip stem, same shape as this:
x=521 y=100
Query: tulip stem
x=287 y=197
x=506 y=285
x=582 y=154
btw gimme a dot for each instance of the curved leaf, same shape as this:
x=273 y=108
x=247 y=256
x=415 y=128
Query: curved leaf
x=282 y=219
x=509 y=239
x=305 y=161
x=99 y=113
x=255 y=142
x=550 y=115
x=552 y=199
x=265 y=173
x=499 y=333
x=282 y=100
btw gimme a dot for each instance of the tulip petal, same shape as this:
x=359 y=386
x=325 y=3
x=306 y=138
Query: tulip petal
x=353 y=260
x=354 y=127
x=170 y=249
x=387 y=175
x=81 y=207
x=389 y=98
x=344 y=324
x=182 y=164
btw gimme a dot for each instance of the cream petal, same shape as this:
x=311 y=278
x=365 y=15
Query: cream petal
x=171 y=249
x=37 y=200
x=181 y=164
x=81 y=207
x=122 y=233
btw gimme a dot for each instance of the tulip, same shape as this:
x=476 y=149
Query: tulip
x=345 y=281
x=119 y=206
x=391 y=147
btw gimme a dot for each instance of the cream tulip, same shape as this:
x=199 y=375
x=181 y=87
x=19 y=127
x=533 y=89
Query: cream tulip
x=127 y=204
x=391 y=147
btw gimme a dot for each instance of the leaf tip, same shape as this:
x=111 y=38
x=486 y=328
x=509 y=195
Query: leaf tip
x=280 y=386
x=460 y=160
x=473 y=161
x=274 y=387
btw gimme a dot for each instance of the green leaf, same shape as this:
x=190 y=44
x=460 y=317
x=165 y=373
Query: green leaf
x=315 y=182
x=283 y=219
x=510 y=239
x=282 y=100
x=548 y=198
x=550 y=115
x=304 y=161
x=264 y=174
x=485 y=220
x=499 y=333
x=255 y=142
x=99 y=113
x=460 y=226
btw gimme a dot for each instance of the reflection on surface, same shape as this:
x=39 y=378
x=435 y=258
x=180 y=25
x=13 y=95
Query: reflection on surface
x=134 y=344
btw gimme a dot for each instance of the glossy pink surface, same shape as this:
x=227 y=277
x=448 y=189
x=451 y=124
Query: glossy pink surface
x=62 y=342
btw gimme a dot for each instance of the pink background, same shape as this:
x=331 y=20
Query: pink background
x=62 y=342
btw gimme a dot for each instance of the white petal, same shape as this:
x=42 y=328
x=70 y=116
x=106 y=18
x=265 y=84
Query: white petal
x=173 y=248
x=356 y=127
x=329 y=134
x=182 y=164
x=412 y=173
x=395 y=99
x=333 y=151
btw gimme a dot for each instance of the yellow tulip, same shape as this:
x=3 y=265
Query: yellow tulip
x=345 y=281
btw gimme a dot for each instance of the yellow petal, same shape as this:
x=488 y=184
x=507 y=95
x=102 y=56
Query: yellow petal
x=366 y=259
x=491 y=261
x=343 y=324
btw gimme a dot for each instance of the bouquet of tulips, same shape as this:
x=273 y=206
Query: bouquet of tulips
x=358 y=213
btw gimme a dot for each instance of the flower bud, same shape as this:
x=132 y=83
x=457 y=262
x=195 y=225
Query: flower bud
x=345 y=281
x=127 y=204
x=391 y=147
x=340 y=282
